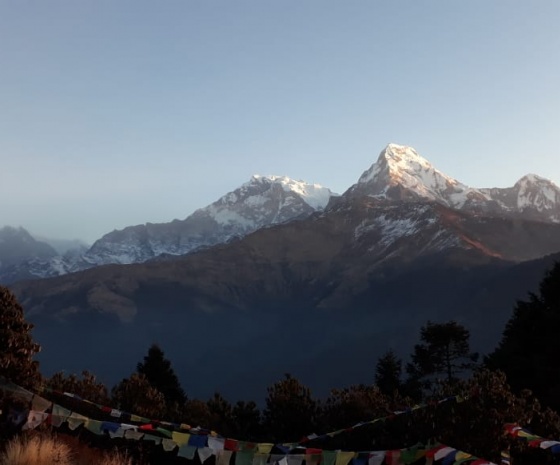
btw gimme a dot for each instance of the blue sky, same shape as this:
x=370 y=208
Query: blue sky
x=114 y=113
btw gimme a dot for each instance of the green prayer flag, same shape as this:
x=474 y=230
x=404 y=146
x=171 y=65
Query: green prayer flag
x=244 y=457
x=329 y=457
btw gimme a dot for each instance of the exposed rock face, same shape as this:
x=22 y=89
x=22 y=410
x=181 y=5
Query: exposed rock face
x=400 y=211
x=263 y=201
x=337 y=250
x=304 y=297
x=532 y=197
x=316 y=290
x=401 y=174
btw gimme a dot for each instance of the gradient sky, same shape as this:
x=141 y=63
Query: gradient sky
x=116 y=112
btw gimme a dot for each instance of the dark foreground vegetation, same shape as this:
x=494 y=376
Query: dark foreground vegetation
x=442 y=394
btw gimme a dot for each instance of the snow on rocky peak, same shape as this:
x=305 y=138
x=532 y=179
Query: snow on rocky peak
x=260 y=202
x=395 y=159
x=314 y=195
x=266 y=200
x=536 y=192
x=401 y=173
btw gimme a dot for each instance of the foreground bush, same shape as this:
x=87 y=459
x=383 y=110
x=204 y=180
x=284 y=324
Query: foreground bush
x=47 y=450
x=36 y=450
x=113 y=458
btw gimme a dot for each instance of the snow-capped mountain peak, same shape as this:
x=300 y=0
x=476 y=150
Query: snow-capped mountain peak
x=397 y=159
x=260 y=202
x=398 y=177
x=401 y=173
x=536 y=192
x=315 y=195
x=266 y=200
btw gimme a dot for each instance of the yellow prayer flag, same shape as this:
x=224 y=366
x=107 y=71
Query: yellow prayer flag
x=180 y=438
x=264 y=448
x=343 y=458
x=460 y=455
x=525 y=434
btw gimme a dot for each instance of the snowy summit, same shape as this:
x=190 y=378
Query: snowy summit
x=400 y=173
x=260 y=202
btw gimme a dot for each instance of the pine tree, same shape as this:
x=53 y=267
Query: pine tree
x=221 y=414
x=530 y=347
x=475 y=423
x=290 y=410
x=197 y=413
x=87 y=387
x=247 y=421
x=443 y=354
x=159 y=373
x=17 y=347
x=136 y=395
x=350 y=405
x=388 y=373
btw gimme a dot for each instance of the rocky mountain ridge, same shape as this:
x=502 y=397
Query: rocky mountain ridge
x=303 y=297
x=262 y=201
x=400 y=173
x=307 y=295
x=17 y=245
x=340 y=248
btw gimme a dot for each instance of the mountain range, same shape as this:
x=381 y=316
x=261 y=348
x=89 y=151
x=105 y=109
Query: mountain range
x=263 y=201
x=281 y=276
x=401 y=174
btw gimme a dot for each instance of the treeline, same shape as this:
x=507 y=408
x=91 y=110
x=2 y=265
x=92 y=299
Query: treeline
x=441 y=365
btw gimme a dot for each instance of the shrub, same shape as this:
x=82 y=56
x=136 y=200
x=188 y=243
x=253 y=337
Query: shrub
x=17 y=347
x=36 y=450
x=115 y=458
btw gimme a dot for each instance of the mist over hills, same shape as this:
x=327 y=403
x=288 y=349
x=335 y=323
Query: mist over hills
x=260 y=202
x=62 y=246
x=399 y=174
x=321 y=292
x=17 y=245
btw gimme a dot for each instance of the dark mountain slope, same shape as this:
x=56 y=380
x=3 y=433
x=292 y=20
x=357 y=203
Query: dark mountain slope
x=240 y=352
x=321 y=297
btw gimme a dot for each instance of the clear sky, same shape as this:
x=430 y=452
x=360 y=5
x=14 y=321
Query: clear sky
x=121 y=112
